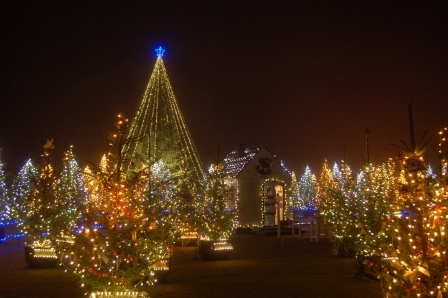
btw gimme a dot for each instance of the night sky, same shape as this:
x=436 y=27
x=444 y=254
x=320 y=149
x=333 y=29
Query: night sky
x=304 y=78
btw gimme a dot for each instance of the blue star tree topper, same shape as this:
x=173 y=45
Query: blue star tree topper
x=160 y=52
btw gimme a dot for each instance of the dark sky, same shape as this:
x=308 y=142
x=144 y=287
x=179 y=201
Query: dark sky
x=304 y=78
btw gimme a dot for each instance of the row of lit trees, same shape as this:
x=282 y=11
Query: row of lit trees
x=113 y=228
x=393 y=217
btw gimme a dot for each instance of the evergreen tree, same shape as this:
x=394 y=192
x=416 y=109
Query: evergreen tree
x=34 y=194
x=163 y=135
x=415 y=262
x=375 y=194
x=295 y=198
x=324 y=184
x=307 y=187
x=340 y=209
x=23 y=192
x=5 y=205
x=72 y=191
x=125 y=229
x=216 y=218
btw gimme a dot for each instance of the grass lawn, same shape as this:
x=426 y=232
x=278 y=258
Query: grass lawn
x=260 y=266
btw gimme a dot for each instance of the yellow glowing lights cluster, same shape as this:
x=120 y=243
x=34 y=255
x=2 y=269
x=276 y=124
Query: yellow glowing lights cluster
x=47 y=253
x=118 y=294
x=223 y=245
x=42 y=249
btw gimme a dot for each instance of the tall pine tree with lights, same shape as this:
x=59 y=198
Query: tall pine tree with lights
x=124 y=237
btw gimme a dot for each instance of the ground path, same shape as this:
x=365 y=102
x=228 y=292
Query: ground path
x=261 y=266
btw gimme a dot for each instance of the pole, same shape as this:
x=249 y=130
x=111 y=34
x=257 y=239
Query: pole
x=279 y=234
x=367 y=145
x=411 y=125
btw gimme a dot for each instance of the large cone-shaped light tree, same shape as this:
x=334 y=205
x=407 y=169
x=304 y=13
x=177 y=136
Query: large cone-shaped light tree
x=163 y=136
x=161 y=129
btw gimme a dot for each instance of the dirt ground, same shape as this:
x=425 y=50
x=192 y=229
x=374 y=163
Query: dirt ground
x=260 y=266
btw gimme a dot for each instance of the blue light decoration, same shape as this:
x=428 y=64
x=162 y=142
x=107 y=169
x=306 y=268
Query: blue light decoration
x=14 y=236
x=160 y=52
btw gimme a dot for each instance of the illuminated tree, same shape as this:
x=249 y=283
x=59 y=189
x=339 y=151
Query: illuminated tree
x=413 y=245
x=215 y=215
x=23 y=190
x=324 y=184
x=375 y=194
x=339 y=207
x=72 y=191
x=294 y=192
x=163 y=135
x=415 y=262
x=162 y=132
x=5 y=213
x=307 y=187
x=124 y=234
x=5 y=204
x=36 y=199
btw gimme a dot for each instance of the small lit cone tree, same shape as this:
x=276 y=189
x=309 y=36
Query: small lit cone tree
x=323 y=197
x=215 y=216
x=5 y=208
x=37 y=206
x=295 y=199
x=339 y=208
x=124 y=234
x=307 y=187
x=375 y=193
x=73 y=194
x=23 y=192
x=324 y=184
x=303 y=194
